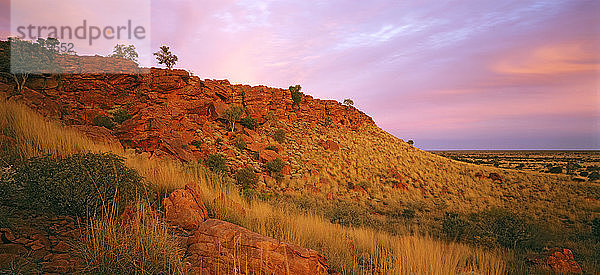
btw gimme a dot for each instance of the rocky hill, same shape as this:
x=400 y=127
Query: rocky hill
x=335 y=161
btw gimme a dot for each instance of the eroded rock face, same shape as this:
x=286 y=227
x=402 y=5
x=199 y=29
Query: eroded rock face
x=559 y=260
x=224 y=248
x=184 y=208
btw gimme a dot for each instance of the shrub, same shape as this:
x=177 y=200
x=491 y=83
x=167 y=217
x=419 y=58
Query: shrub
x=408 y=213
x=453 y=226
x=593 y=176
x=216 y=163
x=272 y=148
x=347 y=214
x=596 y=228
x=246 y=178
x=275 y=166
x=249 y=122
x=104 y=121
x=240 y=144
x=121 y=116
x=348 y=102
x=555 y=170
x=79 y=185
x=279 y=135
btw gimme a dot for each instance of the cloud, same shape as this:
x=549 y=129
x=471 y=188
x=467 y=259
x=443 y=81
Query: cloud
x=572 y=57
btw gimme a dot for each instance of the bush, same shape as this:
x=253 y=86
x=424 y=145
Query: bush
x=104 y=121
x=347 y=214
x=279 y=135
x=79 y=185
x=246 y=178
x=240 y=144
x=555 y=170
x=596 y=228
x=249 y=123
x=275 y=166
x=121 y=116
x=216 y=163
x=272 y=148
x=594 y=176
x=408 y=213
x=453 y=226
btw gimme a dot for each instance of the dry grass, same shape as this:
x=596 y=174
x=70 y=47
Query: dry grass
x=349 y=250
x=143 y=245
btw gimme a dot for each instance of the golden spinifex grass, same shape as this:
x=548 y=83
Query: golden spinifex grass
x=349 y=250
x=143 y=245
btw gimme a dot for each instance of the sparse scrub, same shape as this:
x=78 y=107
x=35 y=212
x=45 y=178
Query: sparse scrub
x=296 y=94
x=249 y=122
x=216 y=163
x=121 y=116
x=240 y=144
x=279 y=135
x=246 y=178
x=275 y=166
x=104 y=121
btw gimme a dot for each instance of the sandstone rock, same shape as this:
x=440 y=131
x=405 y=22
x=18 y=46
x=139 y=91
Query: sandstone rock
x=268 y=155
x=329 y=145
x=559 y=260
x=222 y=247
x=184 y=208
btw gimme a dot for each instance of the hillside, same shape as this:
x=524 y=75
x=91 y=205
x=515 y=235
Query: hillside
x=335 y=162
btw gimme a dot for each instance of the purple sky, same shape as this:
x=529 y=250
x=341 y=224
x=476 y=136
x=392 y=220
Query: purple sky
x=449 y=75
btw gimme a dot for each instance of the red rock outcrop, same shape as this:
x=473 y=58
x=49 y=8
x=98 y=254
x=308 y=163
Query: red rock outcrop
x=184 y=208
x=224 y=248
x=559 y=260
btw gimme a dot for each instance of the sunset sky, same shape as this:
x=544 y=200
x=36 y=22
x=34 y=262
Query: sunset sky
x=447 y=74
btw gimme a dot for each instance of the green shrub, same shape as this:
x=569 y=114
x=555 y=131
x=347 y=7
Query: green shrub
x=347 y=214
x=104 y=121
x=596 y=228
x=246 y=178
x=240 y=144
x=216 y=163
x=249 y=122
x=594 y=176
x=121 y=116
x=279 y=135
x=453 y=226
x=555 y=170
x=79 y=185
x=9 y=191
x=408 y=214
x=275 y=166
x=272 y=148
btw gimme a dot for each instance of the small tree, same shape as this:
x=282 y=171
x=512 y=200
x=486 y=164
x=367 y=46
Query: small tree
x=166 y=57
x=27 y=58
x=410 y=142
x=233 y=114
x=125 y=52
x=296 y=94
x=348 y=102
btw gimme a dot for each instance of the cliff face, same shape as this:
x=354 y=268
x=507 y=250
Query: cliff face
x=170 y=109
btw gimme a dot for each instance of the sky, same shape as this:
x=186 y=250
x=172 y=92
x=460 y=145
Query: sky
x=446 y=74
